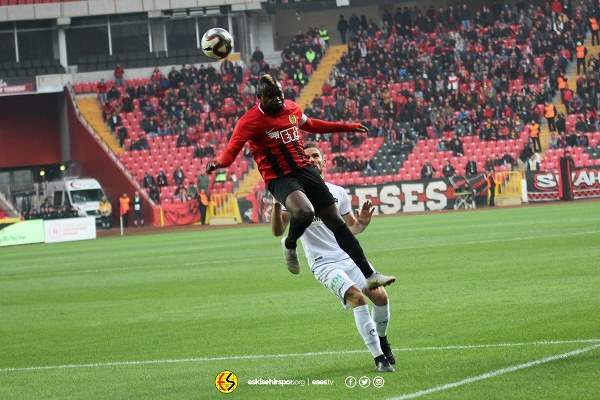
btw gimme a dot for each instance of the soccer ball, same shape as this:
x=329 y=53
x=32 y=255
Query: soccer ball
x=217 y=43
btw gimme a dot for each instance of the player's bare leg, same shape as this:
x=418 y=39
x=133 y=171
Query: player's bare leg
x=302 y=216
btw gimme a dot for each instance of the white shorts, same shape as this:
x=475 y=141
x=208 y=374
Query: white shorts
x=338 y=277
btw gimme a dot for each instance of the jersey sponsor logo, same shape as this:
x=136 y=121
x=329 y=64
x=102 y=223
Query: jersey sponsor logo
x=291 y=134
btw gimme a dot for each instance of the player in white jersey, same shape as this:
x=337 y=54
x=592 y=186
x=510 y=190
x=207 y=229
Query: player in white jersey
x=338 y=273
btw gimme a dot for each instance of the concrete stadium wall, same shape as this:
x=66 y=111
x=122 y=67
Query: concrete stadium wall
x=93 y=161
x=29 y=130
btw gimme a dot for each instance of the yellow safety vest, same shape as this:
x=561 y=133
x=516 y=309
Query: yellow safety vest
x=324 y=34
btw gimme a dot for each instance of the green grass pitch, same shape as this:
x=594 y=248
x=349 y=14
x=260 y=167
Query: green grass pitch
x=489 y=304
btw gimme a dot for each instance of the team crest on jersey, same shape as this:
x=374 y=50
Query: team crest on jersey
x=293 y=118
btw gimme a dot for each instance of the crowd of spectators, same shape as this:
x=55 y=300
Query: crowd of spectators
x=342 y=163
x=459 y=71
x=433 y=73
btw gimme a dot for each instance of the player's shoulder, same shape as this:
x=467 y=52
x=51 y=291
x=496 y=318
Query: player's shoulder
x=249 y=116
x=336 y=191
x=292 y=106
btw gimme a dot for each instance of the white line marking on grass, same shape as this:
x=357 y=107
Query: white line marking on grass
x=132 y=268
x=321 y=353
x=496 y=373
x=513 y=239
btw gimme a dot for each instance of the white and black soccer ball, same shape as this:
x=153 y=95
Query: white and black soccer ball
x=217 y=43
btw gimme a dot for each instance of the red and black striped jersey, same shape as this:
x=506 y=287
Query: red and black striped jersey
x=274 y=139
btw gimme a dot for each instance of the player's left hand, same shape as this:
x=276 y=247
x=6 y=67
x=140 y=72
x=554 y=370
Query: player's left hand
x=366 y=212
x=361 y=128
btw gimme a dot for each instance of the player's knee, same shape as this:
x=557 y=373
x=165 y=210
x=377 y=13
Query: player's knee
x=354 y=296
x=305 y=214
x=378 y=296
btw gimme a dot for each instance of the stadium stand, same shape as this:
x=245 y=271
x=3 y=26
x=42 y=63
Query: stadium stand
x=172 y=112
x=419 y=80
x=28 y=68
x=443 y=77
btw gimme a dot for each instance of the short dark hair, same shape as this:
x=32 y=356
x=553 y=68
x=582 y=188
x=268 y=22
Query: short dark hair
x=314 y=145
x=266 y=82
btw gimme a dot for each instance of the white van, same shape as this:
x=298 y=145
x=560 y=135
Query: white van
x=84 y=194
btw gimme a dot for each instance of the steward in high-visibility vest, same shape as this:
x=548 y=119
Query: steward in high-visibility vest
x=562 y=83
x=203 y=205
x=299 y=78
x=324 y=34
x=534 y=135
x=310 y=56
x=580 y=53
x=534 y=129
x=124 y=209
x=105 y=210
x=550 y=114
x=594 y=28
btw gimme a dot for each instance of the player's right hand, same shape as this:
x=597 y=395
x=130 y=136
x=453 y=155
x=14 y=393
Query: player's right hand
x=211 y=166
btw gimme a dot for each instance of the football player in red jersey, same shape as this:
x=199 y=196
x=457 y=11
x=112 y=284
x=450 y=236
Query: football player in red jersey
x=272 y=128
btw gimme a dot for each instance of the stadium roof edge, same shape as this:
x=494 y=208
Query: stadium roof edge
x=108 y=7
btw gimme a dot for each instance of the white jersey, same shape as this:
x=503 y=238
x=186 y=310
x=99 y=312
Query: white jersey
x=318 y=241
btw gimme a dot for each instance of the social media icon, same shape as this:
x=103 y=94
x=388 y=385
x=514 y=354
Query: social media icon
x=350 y=382
x=378 y=382
x=364 y=381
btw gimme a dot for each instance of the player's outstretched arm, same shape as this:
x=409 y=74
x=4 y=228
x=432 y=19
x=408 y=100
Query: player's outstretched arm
x=234 y=146
x=280 y=219
x=314 y=125
x=358 y=222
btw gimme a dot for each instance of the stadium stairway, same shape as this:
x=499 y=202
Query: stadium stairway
x=250 y=181
x=93 y=115
x=572 y=84
x=317 y=80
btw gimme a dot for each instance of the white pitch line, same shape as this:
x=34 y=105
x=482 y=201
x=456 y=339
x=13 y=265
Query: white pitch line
x=496 y=373
x=310 y=354
x=519 y=239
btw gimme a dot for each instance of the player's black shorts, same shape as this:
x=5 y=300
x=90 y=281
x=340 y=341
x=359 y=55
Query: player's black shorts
x=307 y=180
